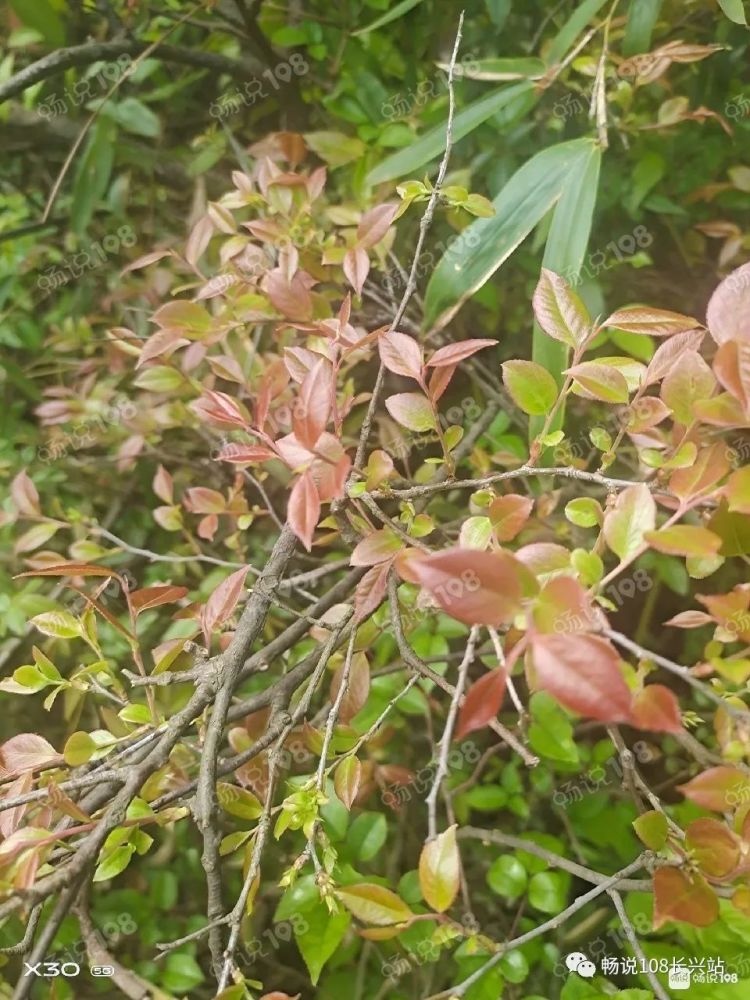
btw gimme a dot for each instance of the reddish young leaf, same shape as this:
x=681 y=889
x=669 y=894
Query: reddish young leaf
x=709 y=467
x=728 y=313
x=371 y=590
x=713 y=846
x=583 y=673
x=452 y=354
x=482 y=702
x=153 y=597
x=667 y=354
x=357 y=689
x=71 y=569
x=243 y=453
x=690 y=619
x=509 y=514
x=719 y=789
x=375 y=224
x=291 y=297
x=559 y=310
x=684 y=540
x=440 y=870
x=25 y=495
x=412 y=410
x=439 y=381
x=477 y=588
x=314 y=404
x=221 y=409
x=299 y=361
x=356 y=268
x=222 y=603
x=600 y=381
x=202 y=500
x=562 y=606
x=651 y=322
x=303 y=511
x=656 y=708
x=732 y=368
x=347 y=779
x=26 y=752
x=159 y=343
x=689 y=381
x=679 y=896
x=162 y=485
x=401 y=355
x=376 y=548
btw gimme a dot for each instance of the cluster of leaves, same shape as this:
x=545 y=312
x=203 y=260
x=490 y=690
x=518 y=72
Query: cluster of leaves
x=484 y=558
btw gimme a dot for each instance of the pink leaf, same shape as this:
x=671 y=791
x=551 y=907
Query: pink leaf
x=375 y=224
x=376 y=548
x=25 y=495
x=240 y=453
x=356 y=268
x=222 y=603
x=440 y=380
x=482 y=703
x=371 y=590
x=162 y=485
x=314 y=403
x=656 y=708
x=220 y=408
x=728 y=313
x=477 y=588
x=26 y=752
x=582 y=672
x=154 y=597
x=401 y=355
x=453 y=353
x=304 y=509
x=412 y=410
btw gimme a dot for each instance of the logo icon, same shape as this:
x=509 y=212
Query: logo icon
x=679 y=978
x=576 y=961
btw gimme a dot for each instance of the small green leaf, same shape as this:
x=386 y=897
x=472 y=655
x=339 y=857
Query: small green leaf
x=652 y=829
x=114 y=863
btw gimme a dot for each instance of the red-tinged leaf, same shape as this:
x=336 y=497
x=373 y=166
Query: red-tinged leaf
x=162 y=485
x=26 y=752
x=25 y=495
x=375 y=224
x=314 y=404
x=222 y=602
x=221 y=409
x=11 y=819
x=356 y=268
x=440 y=870
x=713 y=846
x=684 y=540
x=651 y=322
x=299 y=361
x=452 y=354
x=107 y=614
x=689 y=381
x=275 y=995
x=373 y=904
x=241 y=453
x=291 y=297
x=563 y=606
x=145 y=260
x=559 y=310
x=690 y=619
x=182 y=315
x=412 y=410
x=668 y=353
x=600 y=382
x=728 y=313
x=679 y=896
x=656 y=708
x=158 y=344
x=72 y=569
x=709 y=467
x=477 y=588
x=347 y=779
x=646 y=413
x=440 y=379
x=371 y=590
x=583 y=673
x=376 y=548
x=732 y=368
x=719 y=789
x=357 y=689
x=483 y=701
x=202 y=500
x=400 y=354
x=153 y=597
x=626 y=524
x=303 y=511
x=509 y=514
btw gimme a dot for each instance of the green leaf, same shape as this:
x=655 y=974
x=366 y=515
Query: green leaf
x=395 y=12
x=238 y=801
x=548 y=891
x=584 y=512
x=568 y=34
x=58 y=624
x=532 y=387
x=735 y=10
x=513 y=100
x=642 y=17
x=551 y=732
x=133 y=116
x=114 y=863
x=626 y=524
x=480 y=249
x=94 y=170
x=652 y=829
x=42 y=17
x=367 y=835
x=335 y=148
x=324 y=933
x=507 y=876
x=79 y=748
x=181 y=973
